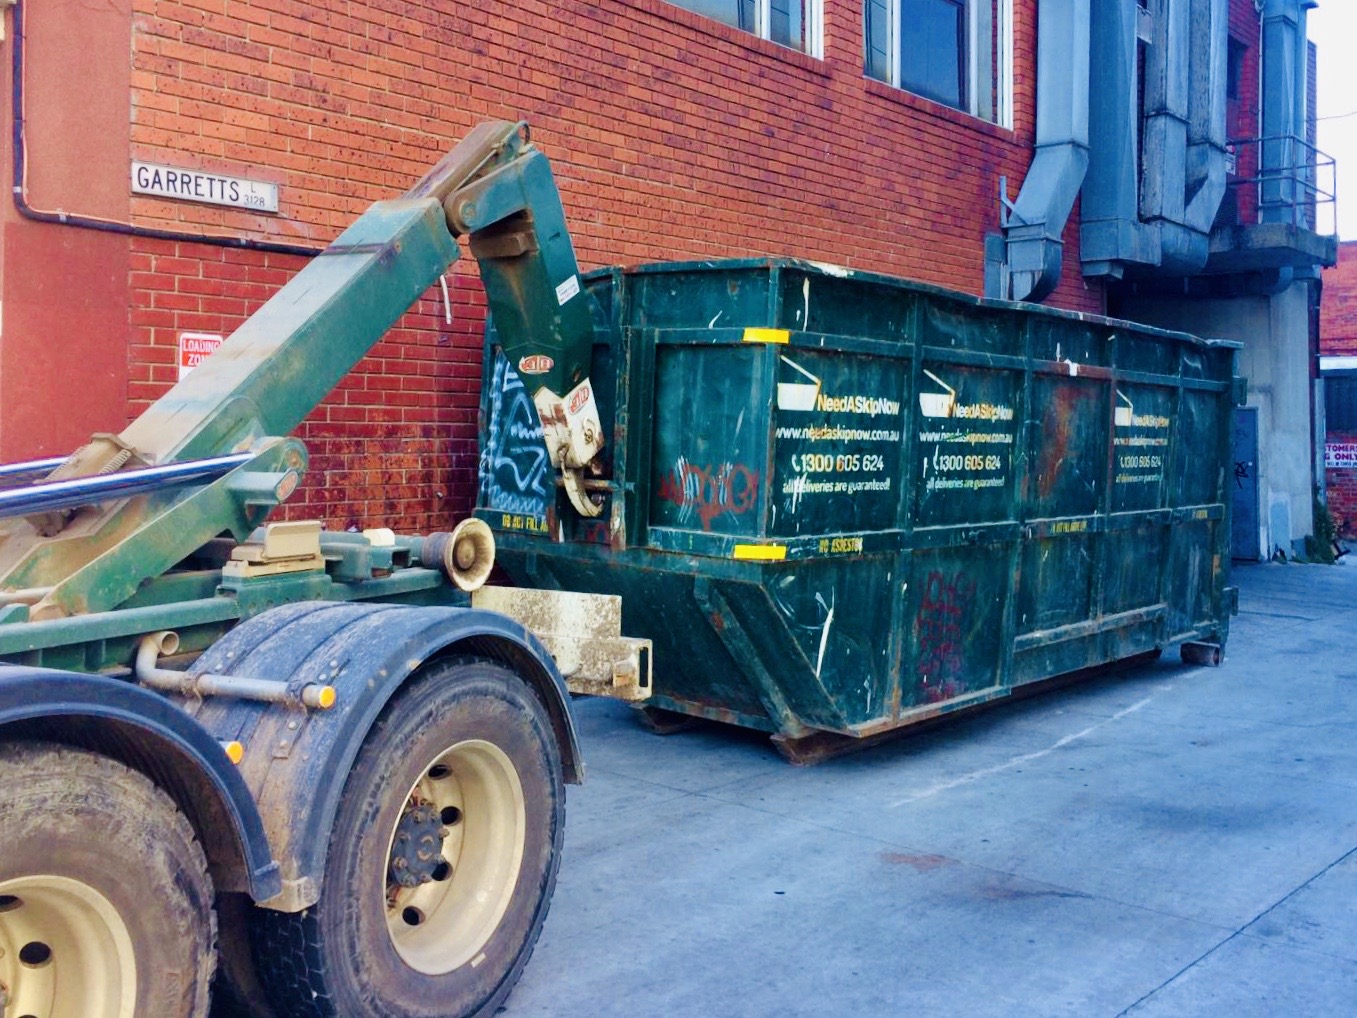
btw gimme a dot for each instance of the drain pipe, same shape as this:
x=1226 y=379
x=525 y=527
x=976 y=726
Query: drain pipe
x=1035 y=222
x=1111 y=236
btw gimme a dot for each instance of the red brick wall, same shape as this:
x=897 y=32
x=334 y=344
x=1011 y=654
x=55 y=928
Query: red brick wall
x=1243 y=116
x=671 y=136
x=1338 y=309
x=1338 y=337
x=1341 y=486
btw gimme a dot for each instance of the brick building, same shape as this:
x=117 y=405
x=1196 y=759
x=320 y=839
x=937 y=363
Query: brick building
x=872 y=133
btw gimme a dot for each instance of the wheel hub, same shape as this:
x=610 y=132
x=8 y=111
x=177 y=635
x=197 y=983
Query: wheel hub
x=64 y=951
x=417 y=848
x=454 y=856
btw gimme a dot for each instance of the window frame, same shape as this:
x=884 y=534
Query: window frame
x=985 y=39
x=813 y=24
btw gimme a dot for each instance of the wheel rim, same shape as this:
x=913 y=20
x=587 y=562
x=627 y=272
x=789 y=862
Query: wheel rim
x=454 y=856
x=64 y=951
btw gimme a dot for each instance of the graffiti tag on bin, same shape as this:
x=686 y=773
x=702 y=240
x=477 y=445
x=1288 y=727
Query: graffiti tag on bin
x=535 y=364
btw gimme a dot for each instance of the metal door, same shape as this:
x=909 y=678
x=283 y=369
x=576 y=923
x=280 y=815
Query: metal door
x=1244 y=505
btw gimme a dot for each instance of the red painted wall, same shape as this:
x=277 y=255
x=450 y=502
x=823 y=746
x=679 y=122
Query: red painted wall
x=64 y=331
x=671 y=136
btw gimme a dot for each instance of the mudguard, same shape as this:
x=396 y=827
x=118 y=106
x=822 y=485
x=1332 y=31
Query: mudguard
x=153 y=735
x=296 y=761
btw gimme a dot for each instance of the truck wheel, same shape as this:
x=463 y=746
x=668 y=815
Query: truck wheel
x=105 y=901
x=441 y=862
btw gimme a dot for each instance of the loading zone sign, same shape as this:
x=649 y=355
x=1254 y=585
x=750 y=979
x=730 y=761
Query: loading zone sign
x=199 y=186
x=193 y=348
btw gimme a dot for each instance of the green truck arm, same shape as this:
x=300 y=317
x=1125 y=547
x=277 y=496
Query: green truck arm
x=494 y=186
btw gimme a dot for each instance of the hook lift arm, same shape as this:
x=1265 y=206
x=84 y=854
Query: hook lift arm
x=498 y=189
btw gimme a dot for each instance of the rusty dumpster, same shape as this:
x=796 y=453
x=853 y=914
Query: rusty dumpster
x=840 y=503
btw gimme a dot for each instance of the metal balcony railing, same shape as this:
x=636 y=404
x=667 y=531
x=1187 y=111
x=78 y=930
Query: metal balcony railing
x=1280 y=179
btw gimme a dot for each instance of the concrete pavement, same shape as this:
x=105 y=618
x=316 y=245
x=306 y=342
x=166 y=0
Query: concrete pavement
x=1166 y=841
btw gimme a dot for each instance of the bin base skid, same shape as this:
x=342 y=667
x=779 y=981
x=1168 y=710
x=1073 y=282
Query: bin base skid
x=1209 y=654
x=806 y=747
x=665 y=722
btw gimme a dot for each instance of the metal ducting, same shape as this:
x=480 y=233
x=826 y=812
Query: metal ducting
x=1158 y=220
x=1110 y=233
x=1284 y=92
x=1206 y=128
x=1036 y=220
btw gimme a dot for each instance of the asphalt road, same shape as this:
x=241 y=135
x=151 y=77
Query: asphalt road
x=1166 y=841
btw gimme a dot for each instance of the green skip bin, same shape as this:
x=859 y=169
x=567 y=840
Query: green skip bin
x=840 y=504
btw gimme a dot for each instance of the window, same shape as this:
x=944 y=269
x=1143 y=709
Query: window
x=1340 y=403
x=792 y=23
x=956 y=52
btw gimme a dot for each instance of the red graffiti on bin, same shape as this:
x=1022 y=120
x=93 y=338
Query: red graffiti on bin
x=940 y=629
x=710 y=491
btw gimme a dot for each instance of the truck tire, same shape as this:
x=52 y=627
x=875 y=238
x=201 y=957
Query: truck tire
x=441 y=861
x=105 y=900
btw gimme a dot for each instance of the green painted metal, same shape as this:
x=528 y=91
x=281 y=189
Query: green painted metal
x=906 y=502
x=98 y=573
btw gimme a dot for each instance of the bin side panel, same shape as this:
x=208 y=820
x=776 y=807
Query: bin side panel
x=845 y=306
x=515 y=473
x=1192 y=565
x=837 y=443
x=964 y=326
x=955 y=611
x=967 y=430
x=1200 y=472
x=823 y=629
x=1142 y=428
x=1070 y=343
x=1069 y=463
x=697 y=298
x=1056 y=582
x=1133 y=567
x=710 y=439
x=1146 y=354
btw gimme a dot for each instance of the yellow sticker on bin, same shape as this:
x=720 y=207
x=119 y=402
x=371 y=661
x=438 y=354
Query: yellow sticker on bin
x=752 y=335
x=761 y=552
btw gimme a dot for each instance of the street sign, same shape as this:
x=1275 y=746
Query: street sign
x=200 y=186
